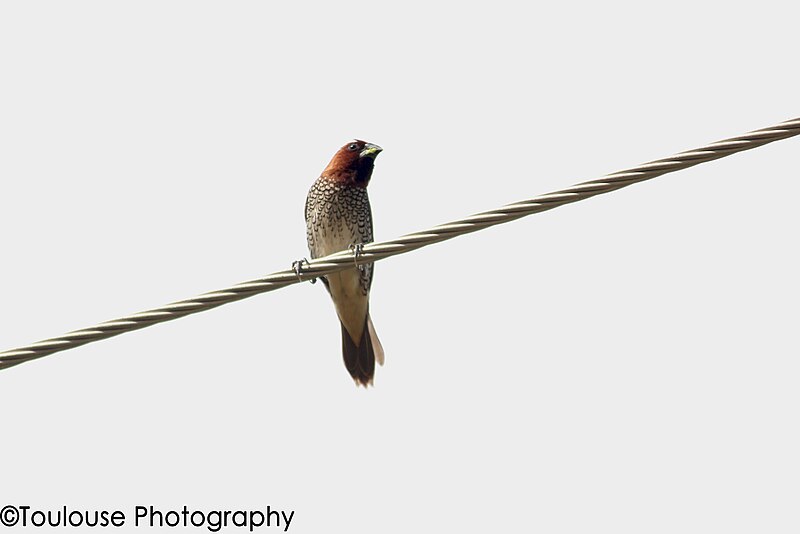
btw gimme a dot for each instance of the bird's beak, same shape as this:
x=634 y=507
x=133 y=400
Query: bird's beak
x=370 y=151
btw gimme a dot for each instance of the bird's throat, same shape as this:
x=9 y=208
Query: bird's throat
x=364 y=171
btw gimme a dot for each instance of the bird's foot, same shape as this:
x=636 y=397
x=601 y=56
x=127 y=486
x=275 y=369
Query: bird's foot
x=356 y=249
x=297 y=267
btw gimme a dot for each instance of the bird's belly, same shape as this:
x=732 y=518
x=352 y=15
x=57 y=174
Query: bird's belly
x=350 y=301
x=332 y=242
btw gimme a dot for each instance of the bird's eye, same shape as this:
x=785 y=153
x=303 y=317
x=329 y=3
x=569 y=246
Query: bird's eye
x=353 y=146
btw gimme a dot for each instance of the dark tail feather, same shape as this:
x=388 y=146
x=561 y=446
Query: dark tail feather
x=359 y=359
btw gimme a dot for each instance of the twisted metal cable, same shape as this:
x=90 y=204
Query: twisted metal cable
x=378 y=251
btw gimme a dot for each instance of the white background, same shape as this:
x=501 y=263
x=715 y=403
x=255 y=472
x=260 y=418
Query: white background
x=626 y=364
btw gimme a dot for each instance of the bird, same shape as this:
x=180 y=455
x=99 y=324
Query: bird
x=338 y=216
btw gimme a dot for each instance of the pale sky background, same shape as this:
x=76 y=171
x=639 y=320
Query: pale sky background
x=626 y=364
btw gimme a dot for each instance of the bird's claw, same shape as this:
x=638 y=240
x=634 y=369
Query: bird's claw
x=357 y=248
x=297 y=267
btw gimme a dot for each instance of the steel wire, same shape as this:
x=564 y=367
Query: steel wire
x=378 y=251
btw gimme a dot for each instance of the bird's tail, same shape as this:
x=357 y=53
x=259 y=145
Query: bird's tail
x=376 y=343
x=360 y=358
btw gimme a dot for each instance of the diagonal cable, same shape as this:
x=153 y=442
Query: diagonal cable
x=378 y=251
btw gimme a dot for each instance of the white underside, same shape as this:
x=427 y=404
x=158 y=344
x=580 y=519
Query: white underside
x=351 y=304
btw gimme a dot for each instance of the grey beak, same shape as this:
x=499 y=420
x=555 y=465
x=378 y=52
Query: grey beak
x=370 y=151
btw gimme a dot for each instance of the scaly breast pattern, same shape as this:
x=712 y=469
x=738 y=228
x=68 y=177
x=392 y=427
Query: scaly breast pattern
x=337 y=216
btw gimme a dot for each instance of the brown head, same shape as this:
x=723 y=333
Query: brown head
x=353 y=163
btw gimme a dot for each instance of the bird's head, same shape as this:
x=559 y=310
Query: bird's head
x=353 y=163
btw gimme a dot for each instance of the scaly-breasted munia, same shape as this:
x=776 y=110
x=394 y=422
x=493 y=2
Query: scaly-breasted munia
x=338 y=217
